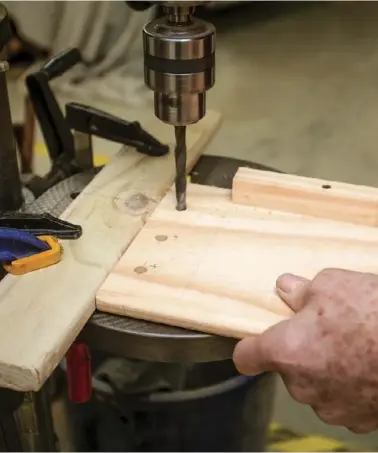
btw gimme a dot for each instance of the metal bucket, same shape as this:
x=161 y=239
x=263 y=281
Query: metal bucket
x=218 y=410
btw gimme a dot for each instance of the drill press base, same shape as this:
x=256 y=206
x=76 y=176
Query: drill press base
x=131 y=338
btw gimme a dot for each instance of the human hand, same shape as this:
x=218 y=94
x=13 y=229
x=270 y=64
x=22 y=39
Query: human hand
x=327 y=353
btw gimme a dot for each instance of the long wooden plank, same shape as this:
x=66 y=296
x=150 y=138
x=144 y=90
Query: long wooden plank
x=309 y=196
x=213 y=267
x=41 y=313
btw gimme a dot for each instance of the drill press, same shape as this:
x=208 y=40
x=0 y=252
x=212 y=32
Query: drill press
x=179 y=66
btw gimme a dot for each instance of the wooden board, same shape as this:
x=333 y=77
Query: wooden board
x=213 y=267
x=314 y=197
x=41 y=313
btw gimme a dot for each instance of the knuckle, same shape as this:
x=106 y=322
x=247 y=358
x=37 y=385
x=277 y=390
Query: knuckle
x=327 y=416
x=270 y=345
x=299 y=389
x=328 y=272
x=298 y=394
x=331 y=283
x=324 y=279
x=292 y=344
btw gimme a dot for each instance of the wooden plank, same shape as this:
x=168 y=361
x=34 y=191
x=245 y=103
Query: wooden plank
x=308 y=196
x=213 y=267
x=42 y=313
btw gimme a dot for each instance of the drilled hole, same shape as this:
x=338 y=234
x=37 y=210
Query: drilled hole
x=161 y=237
x=326 y=186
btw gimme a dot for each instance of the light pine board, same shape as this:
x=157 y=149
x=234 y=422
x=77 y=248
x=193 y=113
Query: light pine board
x=42 y=313
x=309 y=196
x=213 y=267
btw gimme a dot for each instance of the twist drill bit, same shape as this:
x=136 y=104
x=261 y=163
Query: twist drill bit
x=179 y=67
x=180 y=159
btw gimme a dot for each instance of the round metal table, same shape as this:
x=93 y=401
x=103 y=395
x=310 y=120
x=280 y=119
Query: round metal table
x=135 y=339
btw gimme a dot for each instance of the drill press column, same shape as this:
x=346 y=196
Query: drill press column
x=10 y=184
x=179 y=66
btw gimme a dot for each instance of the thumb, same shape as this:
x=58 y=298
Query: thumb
x=260 y=353
x=292 y=290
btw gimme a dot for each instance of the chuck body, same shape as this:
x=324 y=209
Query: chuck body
x=179 y=64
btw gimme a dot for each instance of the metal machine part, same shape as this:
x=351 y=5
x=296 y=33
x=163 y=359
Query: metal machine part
x=10 y=401
x=179 y=66
x=91 y=121
x=5 y=28
x=138 y=5
x=69 y=138
x=180 y=159
x=208 y=407
x=35 y=422
x=179 y=63
x=10 y=183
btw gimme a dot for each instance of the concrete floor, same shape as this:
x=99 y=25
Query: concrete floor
x=297 y=85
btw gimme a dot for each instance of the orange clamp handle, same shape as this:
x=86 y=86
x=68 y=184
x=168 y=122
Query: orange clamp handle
x=39 y=260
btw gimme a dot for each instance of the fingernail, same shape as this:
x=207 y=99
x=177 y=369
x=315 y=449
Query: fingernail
x=289 y=282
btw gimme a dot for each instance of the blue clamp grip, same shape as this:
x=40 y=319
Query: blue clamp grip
x=16 y=244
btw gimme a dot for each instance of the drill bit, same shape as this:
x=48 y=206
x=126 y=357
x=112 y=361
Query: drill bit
x=180 y=159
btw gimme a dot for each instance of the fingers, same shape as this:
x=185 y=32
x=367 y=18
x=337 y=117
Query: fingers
x=262 y=353
x=258 y=354
x=248 y=357
x=292 y=290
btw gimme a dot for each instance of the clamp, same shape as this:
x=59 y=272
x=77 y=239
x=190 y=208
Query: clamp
x=44 y=251
x=71 y=153
x=30 y=241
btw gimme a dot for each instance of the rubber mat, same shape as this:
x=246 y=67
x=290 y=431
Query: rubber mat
x=285 y=440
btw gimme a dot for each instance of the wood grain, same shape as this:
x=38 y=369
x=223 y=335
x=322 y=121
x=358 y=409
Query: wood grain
x=41 y=313
x=213 y=267
x=309 y=196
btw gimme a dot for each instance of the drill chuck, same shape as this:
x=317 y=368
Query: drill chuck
x=179 y=64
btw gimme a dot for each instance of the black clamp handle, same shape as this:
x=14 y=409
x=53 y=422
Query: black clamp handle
x=40 y=225
x=90 y=120
x=61 y=63
x=57 y=134
x=56 y=128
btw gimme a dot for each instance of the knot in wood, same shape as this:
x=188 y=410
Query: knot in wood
x=137 y=202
